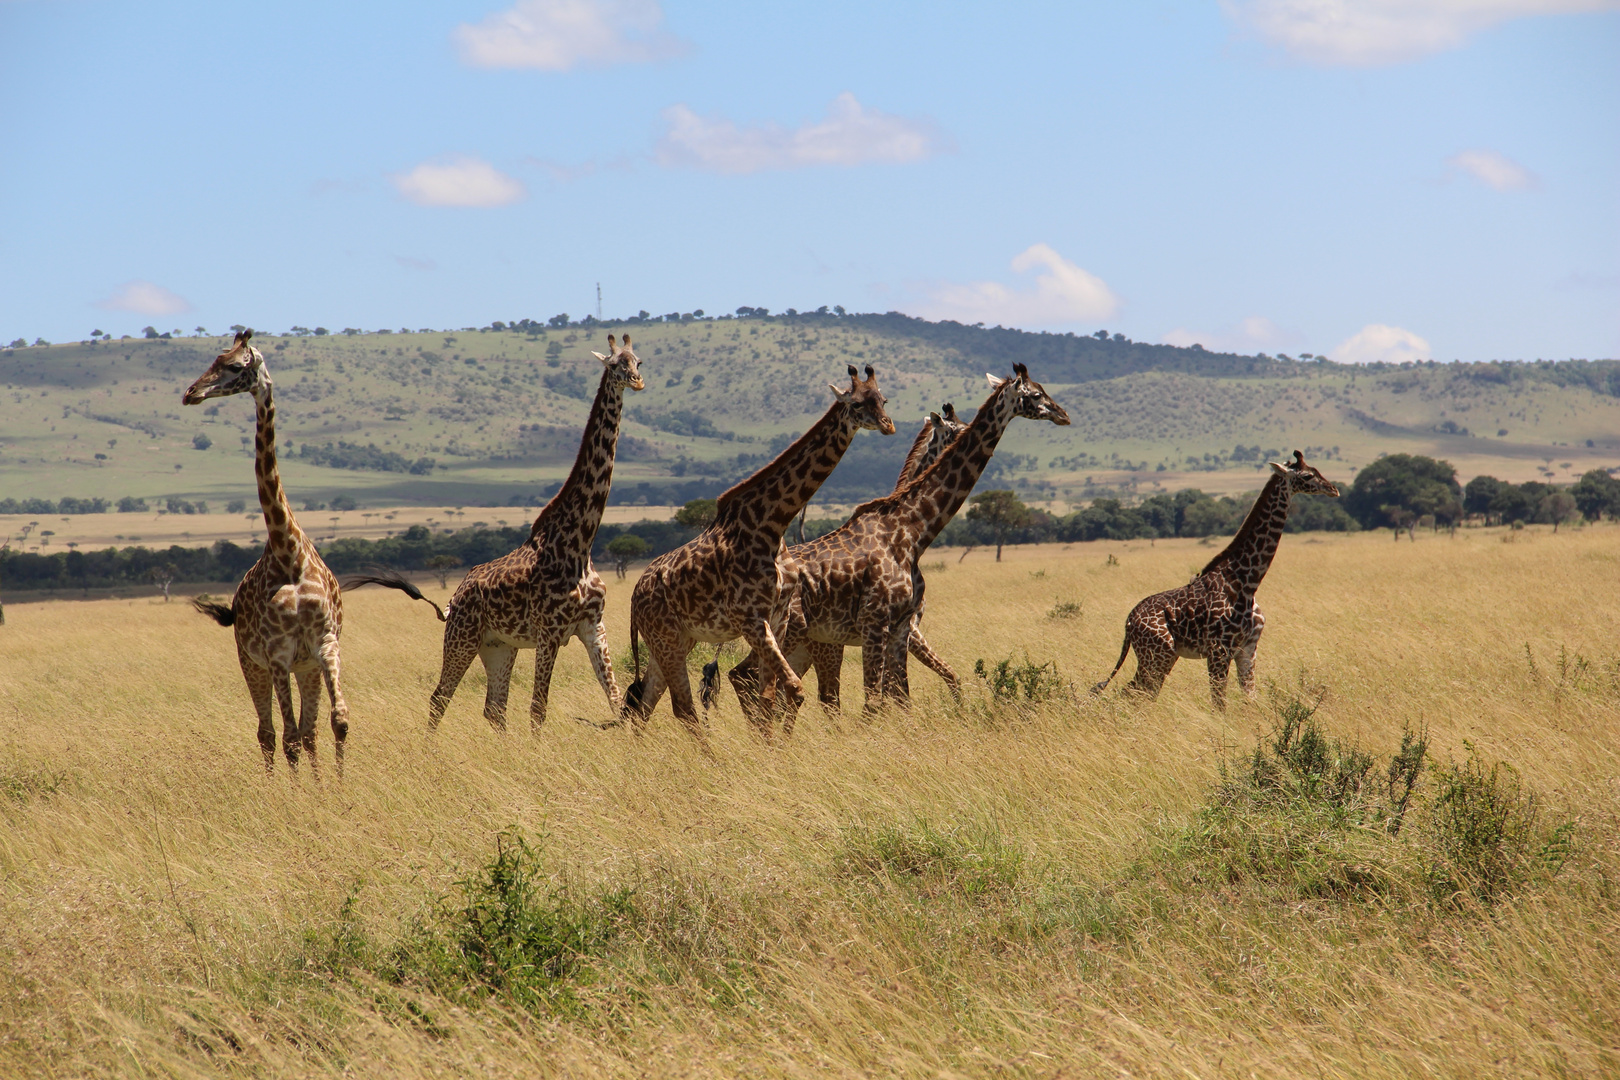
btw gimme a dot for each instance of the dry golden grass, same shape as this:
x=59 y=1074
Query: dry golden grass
x=166 y=910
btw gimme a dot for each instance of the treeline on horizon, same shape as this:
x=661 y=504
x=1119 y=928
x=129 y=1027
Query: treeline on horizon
x=1398 y=491
x=1055 y=357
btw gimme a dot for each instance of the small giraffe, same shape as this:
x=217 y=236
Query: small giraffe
x=860 y=585
x=288 y=609
x=547 y=590
x=826 y=657
x=735 y=580
x=1214 y=617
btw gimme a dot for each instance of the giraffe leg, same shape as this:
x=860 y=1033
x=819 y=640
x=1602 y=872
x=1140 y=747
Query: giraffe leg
x=1245 y=656
x=896 y=684
x=458 y=656
x=1154 y=659
x=281 y=679
x=593 y=635
x=259 y=688
x=309 y=711
x=745 y=680
x=498 y=660
x=669 y=654
x=776 y=672
x=828 y=661
x=545 y=659
x=1220 y=665
x=331 y=674
x=919 y=647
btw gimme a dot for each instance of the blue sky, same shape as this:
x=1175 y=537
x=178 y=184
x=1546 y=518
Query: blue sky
x=1368 y=179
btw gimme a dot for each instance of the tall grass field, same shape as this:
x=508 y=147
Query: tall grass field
x=1401 y=860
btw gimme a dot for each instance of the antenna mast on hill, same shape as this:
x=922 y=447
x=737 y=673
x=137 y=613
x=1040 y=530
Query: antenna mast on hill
x=598 y=301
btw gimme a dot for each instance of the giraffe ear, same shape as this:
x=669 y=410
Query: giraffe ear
x=846 y=396
x=994 y=382
x=599 y=356
x=933 y=418
x=1280 y=470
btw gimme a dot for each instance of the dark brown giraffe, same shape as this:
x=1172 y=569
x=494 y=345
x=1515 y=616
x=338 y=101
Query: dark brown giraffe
x=288 y=608
x=735 y=579
x=1214 y=617
x=546 y=591
x=860 y=585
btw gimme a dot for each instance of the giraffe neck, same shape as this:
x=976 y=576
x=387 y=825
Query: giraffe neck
x=921 y=455
x=282 y=534
x=939 y=492
x=1247 y=558
x=770 y=499
x=570 y=520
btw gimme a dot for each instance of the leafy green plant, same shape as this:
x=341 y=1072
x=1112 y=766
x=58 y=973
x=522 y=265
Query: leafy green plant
x=1065 y=609
x=964 y=859
x=1029 y=681
x=1484 y=829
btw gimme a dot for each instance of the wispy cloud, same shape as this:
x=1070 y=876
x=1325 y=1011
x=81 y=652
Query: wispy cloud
x=1375 y=342
x=1494 y=170
x=459 y=181
x=851 y=134
x=1367 y=33
x=556 y=35
x=1062 y=293
x=145 y=298
x=1254 y=334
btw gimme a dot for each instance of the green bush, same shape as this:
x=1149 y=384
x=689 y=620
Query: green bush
x=966 y=860
x=1484 y=827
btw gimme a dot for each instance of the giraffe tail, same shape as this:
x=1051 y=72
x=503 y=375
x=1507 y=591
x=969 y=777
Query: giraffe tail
x=223 y=614
x=392 y=580
x=1123 y=652
x=637 y=689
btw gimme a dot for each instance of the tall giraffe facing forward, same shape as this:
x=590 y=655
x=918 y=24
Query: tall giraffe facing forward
x=288 y=609
x=735 y=580
x=1214 y=617
x=546 y=591
x=860 y=585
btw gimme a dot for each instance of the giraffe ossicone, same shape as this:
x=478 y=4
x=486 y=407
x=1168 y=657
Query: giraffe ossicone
x=1214 y=617
x=287 y=611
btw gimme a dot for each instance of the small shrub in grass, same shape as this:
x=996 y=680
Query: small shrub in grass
x=1008 y=681
x=1485 y=832
x=1065 y=609
x=965 y=860
x=24 y=785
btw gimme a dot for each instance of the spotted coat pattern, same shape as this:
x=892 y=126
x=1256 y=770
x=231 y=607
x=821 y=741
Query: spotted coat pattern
x=735 y=579
x=860 y=584
x=288 y=609
x=1214 y=617
x=546 y=591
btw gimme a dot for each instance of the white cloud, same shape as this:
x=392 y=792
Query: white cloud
x=1494 y=170
x=1375 y=342
x=1252 y=335
x=555 y=35
x=850 y=135
x=1063 y=293
x=1365 y=33
x=145 y=298
x=460 y=181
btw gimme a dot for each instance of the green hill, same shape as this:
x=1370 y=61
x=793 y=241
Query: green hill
x=492 y=416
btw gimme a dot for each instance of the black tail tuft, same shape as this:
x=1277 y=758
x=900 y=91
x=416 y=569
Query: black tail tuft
x=633 y=696
x=390 y=579
x=709 y=688
x=223 y=614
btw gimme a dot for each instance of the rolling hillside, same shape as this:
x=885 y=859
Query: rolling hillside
x=492 y=416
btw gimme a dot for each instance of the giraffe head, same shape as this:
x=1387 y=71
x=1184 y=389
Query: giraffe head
x=1303 y=479
x=237 y=370
x=865 y=401
x=945 y=420
x=1029 y=399
x=623 y=366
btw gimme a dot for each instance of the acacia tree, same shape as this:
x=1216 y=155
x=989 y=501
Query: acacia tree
x=163 y=576
x=625 y=549
x=698 y=514
x=441 y=565
x=1002 y=511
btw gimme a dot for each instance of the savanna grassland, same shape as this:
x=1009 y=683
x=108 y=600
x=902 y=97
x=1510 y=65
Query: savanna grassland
x=1036 y=884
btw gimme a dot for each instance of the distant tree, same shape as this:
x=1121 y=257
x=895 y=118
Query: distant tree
x=1557 y=508
x=838 y=309
x=201 y=331
x=1478 y=494
x=1597 y=493
x=321 y=331
x=18 y=343
x=200 y=441
x=237 y=328
x=95 y=333
x=1512 y=504
x=558 y=321
x=235 y=506
x=149 y=331
x=1101 y=335
x=441 y=565
x=163 y=576
x=698 y=514
x=1002 y=511
x=39 y=341
x=625 y=549
x=129 y=504
x=1412 y=484
x=344 y=502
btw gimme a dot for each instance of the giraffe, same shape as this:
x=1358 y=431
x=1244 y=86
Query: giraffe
x=859 y=585
x=828 y=657
x=1214 y=617
x=288 y=609
x=546 y=591
x=735 y=579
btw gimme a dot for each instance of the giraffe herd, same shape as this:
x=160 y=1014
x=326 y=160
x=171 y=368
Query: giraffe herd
x=796 y=608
